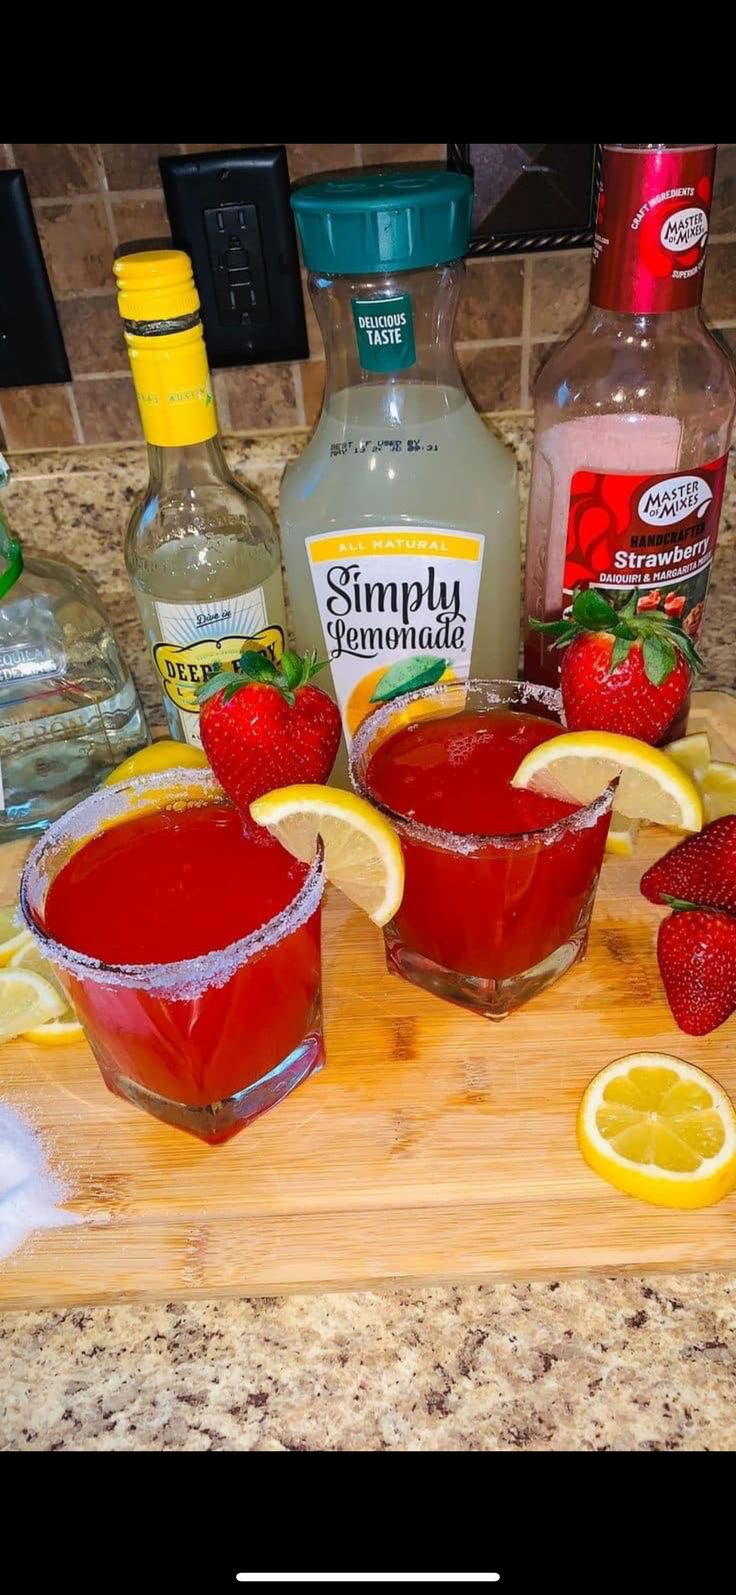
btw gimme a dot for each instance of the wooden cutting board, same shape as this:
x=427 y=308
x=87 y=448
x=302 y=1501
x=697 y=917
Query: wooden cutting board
x=434 y=1146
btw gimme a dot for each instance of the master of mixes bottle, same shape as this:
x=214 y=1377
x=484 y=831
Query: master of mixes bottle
x=633 y=413
x=201 y=550
x=400 y=521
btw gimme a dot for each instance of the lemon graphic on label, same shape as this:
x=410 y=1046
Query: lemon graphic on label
x=390 y=681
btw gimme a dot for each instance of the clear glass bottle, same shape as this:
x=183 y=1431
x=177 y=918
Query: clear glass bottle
x=633 y=414
x=201 y=550
x=69 y=710
x=400 y=520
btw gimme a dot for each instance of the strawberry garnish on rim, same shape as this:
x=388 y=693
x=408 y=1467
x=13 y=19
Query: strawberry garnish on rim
x=626 y=670
x=265 y=725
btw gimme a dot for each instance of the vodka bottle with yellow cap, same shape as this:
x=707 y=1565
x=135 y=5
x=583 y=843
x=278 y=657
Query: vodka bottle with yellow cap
x=202 y=551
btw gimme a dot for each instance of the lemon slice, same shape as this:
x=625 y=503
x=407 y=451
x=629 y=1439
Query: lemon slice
x=659 y=1129
x=363 y=856
x=622 y=834
x=27 y=956
x=651 y=786
x=11 y=938
x=26 y=1000
x=718 y=790
x=166 y=754
x=55 y=1033
x=691 y=753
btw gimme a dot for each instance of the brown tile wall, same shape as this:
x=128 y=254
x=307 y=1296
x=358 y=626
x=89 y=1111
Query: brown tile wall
x=90 y=197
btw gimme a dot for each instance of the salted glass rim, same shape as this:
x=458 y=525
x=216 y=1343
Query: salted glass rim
x=582 y=819
x=185 y=977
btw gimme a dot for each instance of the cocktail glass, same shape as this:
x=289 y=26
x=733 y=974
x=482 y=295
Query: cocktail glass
x=207 y=1043
x=487 y=921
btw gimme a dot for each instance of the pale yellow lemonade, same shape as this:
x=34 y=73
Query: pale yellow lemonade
x=400 y=520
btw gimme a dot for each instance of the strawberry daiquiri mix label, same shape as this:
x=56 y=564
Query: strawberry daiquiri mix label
x=394 y=594
x=654 y=534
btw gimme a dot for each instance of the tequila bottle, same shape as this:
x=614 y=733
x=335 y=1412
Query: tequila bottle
x=69 y=710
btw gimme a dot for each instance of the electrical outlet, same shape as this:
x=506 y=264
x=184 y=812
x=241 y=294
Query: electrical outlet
x=230 y=211
x=31 y=343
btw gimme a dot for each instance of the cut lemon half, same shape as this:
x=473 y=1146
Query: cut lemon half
x=691 y=753
x=582 y=763
x=55 y=1033
x=363 y=856
x=660 y=1129
x=718 y=789
x=166 y=754
x=27 y=956
x=11 y=938
x=26 y=1000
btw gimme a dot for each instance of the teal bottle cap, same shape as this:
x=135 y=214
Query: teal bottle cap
x=383 y=221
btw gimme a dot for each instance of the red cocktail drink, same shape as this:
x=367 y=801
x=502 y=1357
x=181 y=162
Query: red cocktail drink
x=190 y=948
x=499 y=882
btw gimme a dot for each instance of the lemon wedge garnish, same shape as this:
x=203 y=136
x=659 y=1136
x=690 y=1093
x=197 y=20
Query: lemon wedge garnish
x=660 y=1129
x=55 y=1033
x=718 y=789
x=166 y=754
x=363 y=856
x=691 y=753
x=11 y=938
x=622 y=834
x=28 y=956
x=582 y=763
x=26 y=1000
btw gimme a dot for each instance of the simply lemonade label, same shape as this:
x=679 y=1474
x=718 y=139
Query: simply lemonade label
x=392 y=594
x=384 y=331
x=197 y=639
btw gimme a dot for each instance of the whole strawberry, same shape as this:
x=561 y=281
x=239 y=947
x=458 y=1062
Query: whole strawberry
x=696 y=951
x=701 y=870
x=626 y=670
x=265 y=726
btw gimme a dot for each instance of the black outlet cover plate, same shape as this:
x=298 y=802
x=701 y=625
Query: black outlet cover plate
x=32 y=349
x=230 y=211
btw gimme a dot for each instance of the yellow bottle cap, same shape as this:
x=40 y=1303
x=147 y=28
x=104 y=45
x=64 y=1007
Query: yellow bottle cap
x=155 y=285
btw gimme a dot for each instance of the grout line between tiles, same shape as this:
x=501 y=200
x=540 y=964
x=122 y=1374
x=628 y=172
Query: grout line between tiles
x=111 y=222
x=296 y=377
x=76 y=418
x=487 y=343
x=100 y=376
x=223 y=405
x=358 y=148
x=97 y=193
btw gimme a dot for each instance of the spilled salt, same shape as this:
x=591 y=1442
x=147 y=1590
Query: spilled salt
x=28 y=1191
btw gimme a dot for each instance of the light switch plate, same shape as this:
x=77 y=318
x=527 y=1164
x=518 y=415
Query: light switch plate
x=230 y=211
x=31 y=343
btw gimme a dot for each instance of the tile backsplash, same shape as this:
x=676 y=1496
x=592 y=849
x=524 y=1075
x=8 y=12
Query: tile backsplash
x=88 y=198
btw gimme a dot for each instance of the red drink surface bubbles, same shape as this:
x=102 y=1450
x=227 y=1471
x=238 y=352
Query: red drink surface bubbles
x=170 y=885
x=499 y=910
x=455 y=774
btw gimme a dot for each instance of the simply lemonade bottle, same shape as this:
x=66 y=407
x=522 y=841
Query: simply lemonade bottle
x=202 y=551
x=400 y=521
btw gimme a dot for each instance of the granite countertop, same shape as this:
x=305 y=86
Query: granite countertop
x=594 y=1364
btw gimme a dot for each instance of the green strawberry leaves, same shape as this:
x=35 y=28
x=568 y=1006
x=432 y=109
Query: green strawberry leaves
x=10 y=549
x=660 y=658
x=292 y=672
x=408 y=676
x=661 y=637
